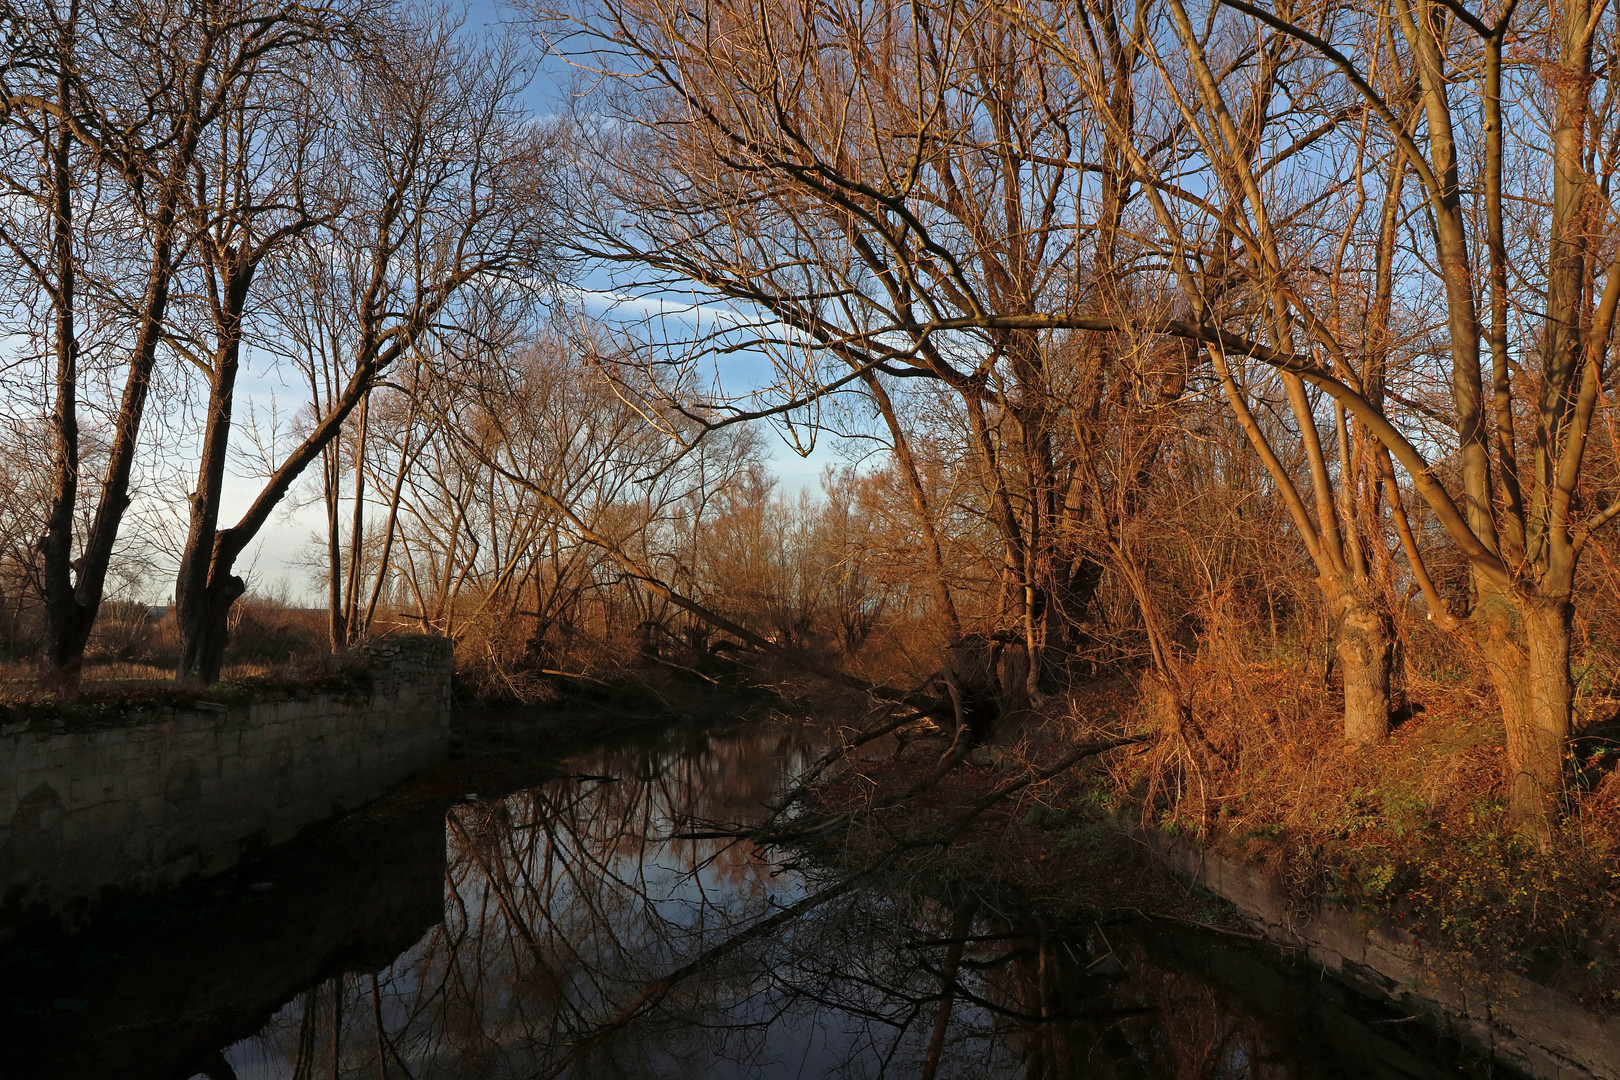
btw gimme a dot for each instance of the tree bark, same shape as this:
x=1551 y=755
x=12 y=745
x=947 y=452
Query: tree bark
x=337 y=632
x=197 y=587
x=1365 y=643
x=205 y=625
x=975 y=690
x=1525 y=643
x=67 y=621
x=357 y=523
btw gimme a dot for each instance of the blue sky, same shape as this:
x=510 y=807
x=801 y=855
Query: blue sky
x=274 y=562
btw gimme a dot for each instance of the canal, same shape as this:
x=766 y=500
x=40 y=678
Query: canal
x=596 y=925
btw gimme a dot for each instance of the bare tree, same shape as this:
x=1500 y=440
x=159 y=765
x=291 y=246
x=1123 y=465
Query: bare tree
x=1472 y=144
x=444 y=205
x=878 y=196
x=125 y=102
x=256 y=187
x=1265 y=217
x=529 y=453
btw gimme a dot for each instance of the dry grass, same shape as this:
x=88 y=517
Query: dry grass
x=1256 y=765
x=22 y=680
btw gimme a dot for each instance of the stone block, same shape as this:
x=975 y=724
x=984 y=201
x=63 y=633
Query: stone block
x=92 y=791
x=87 y=829
x=142 y=845
x=233 y=772
x=254 y=744
x=84 y=762
x=218 y=859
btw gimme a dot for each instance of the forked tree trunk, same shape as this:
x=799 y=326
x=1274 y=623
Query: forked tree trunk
x=1365 y=644
x=205 y=628
x=975 y=689
x=202 y=599
x=1526 y=649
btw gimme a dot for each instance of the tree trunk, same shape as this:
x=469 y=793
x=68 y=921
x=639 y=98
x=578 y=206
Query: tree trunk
x=351 y=588
x=68 y=624
x=975 y=690
x=337 y=630
x=70 y=617
x=67 y=620
x=197 y=586
x=1526 y=650
x=1365 y=643
x=1015 y=679
x=205 y=628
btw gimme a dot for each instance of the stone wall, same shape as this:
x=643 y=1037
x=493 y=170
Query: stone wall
x=156 y=996
x=1536 y=1028
x=137 y=808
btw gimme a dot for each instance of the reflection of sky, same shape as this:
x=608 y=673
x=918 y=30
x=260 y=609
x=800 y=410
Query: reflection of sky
x=674 y=899
x=563 y=904
x=611 y=905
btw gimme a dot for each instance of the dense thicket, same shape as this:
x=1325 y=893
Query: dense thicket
x=1333 y=220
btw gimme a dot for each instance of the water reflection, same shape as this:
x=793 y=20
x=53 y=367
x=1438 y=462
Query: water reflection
x=580 y=940
x=154 y=992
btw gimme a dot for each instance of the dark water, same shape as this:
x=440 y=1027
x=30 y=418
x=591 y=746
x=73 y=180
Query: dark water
x=558 y=931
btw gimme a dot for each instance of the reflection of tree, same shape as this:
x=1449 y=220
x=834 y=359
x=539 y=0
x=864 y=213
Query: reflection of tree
x=580 y=940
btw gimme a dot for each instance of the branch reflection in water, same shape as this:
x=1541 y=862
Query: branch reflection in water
x=580 y=940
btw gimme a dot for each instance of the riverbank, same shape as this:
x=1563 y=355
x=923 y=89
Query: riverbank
x=589 y=712
x=1394 y=871
x=1532 y=1025
x=1288 y=876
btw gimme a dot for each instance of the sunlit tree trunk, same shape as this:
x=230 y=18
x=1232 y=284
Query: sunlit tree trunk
x=1365 y=644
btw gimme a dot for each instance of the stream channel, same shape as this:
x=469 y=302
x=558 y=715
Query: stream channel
x=555 y=929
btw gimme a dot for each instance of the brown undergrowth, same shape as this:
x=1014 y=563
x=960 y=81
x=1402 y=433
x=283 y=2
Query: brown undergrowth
x=1414 y=830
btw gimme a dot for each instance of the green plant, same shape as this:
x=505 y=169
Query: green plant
x=1376 y=880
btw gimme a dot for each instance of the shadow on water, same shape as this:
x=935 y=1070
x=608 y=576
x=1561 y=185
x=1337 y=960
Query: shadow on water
x=154 y=992
x=560 y=931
